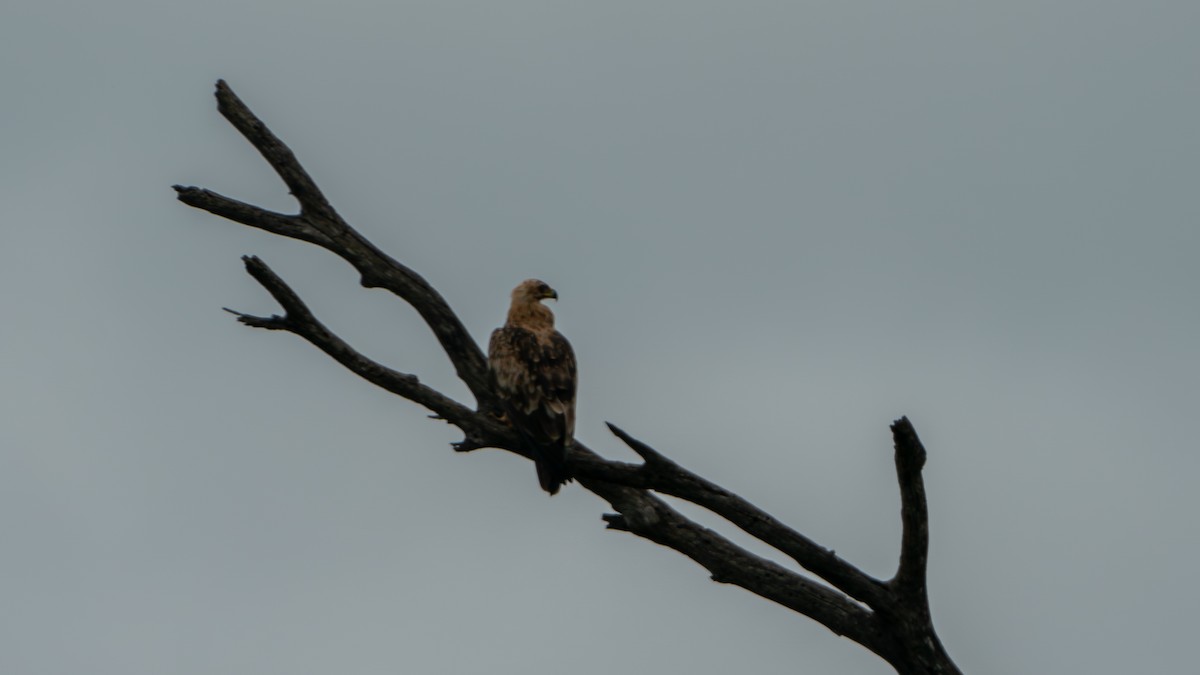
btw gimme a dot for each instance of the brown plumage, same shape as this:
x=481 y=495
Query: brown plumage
x=533 y=373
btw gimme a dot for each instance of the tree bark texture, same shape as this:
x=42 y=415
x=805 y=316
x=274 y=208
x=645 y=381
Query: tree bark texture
x=889 y=617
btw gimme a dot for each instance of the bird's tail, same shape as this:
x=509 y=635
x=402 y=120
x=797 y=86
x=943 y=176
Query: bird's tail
x=551 y=463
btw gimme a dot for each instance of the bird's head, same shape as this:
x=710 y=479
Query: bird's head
x=533 y=290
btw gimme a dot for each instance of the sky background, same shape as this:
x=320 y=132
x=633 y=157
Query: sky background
x=774 y=226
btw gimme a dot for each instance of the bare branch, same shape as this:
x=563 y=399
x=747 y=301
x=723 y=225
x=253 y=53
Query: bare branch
x=914 y=515
x=297 y=312
x=320 y=224
x=300 y=321
x=646 y=516
x=641 y=513
x=667 y=477
x=278 y=155
x=891 y=619
x=295 y=227
x=730 y=563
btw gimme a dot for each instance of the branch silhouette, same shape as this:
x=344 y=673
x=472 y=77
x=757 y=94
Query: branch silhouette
x=889 y=617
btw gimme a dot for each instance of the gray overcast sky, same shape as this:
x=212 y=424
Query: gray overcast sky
x=775 y=227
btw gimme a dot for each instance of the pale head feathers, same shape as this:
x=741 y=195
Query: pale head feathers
x=533 y=290
x=527 y=310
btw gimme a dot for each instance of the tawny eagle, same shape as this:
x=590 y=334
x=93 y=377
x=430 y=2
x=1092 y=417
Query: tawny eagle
x=532 y=368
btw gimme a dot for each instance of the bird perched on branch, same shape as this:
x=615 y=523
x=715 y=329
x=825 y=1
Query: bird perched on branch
x=532 y=368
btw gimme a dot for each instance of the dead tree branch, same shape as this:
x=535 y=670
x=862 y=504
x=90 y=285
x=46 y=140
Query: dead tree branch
x=890 y=618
